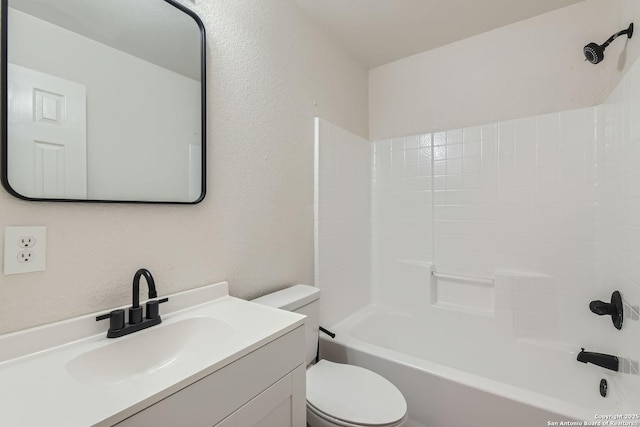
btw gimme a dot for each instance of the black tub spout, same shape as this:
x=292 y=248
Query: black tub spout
x=606 y=361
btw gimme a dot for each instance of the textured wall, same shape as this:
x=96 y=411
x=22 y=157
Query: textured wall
x=528 y=68
x=267 y=65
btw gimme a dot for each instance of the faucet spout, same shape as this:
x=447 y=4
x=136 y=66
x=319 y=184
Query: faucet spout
x=606 y=361
x=151 y=285
x=117 y=326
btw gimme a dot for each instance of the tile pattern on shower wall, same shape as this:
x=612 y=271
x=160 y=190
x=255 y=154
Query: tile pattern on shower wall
x=619 y=215
x=527 y=305
x=465 y=197
x=401 y=215
x=514 y=196
x=549 y=206
x=342 y=221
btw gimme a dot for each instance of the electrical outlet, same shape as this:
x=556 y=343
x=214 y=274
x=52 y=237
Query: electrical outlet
x=27 y=241
x=25 y=256
x=25 y=249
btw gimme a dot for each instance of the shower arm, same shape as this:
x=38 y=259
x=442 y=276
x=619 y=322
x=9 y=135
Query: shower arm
x=628 y=32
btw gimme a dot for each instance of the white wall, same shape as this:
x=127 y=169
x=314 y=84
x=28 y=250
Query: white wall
x=267 y=64
x=131 y=128
x=525 y=69
x=342 y=222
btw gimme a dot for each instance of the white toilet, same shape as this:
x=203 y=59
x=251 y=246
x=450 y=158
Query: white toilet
x=339 y=394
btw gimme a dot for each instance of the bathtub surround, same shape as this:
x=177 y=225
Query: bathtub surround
x=539 y=195
x=618 y=222
x=503 y=232
x=542 y=208
x=342 y=233
x=267 y=64
x=507 y=229
x=514 y=196
x=530 y=187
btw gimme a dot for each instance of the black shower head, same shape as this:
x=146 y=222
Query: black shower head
x=594 y=53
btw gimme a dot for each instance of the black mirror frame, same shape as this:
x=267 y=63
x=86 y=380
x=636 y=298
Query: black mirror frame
x=4 y=116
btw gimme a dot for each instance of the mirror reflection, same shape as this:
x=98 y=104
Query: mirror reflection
x=104 y=101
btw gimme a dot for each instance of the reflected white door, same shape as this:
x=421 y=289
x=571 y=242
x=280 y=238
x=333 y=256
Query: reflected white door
x=47 y=135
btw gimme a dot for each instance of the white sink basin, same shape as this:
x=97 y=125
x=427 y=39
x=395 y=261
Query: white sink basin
x=146 y=352
x=71 y=371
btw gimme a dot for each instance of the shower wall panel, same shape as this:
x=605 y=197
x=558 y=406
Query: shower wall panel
x=515 y=196
x=342 y=221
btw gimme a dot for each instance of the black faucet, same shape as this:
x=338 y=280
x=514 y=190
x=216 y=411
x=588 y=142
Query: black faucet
x=117 y=327
x=606 y=361
x=135 y=311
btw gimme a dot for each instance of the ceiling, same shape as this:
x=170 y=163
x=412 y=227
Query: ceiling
x=382 y=31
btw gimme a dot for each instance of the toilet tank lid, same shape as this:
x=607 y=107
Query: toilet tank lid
x=291 y=298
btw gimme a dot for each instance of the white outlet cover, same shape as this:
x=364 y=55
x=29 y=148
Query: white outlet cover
x=12 y=248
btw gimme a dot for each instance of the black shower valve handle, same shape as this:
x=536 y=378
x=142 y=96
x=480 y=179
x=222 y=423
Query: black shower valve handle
x=613 y=309
x=601 y=308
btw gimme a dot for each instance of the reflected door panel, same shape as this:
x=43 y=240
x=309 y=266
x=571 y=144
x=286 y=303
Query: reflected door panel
x=47 y=135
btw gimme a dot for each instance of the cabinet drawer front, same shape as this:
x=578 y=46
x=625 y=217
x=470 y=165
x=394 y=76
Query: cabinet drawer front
x=281 y=405
x=209 y=400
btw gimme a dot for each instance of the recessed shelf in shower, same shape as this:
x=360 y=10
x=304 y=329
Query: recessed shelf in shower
x=470 y=294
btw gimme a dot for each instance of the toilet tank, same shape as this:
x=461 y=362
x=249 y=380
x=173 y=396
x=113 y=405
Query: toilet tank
x=302 y=299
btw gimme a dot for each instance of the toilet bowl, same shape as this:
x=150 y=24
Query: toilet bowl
x=339 y=394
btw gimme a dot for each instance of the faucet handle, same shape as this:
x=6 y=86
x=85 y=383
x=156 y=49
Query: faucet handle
x=116 y=319
x=135 y=315
x=152 y=308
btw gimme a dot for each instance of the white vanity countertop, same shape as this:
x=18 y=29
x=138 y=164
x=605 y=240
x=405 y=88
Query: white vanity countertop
x=42 y=385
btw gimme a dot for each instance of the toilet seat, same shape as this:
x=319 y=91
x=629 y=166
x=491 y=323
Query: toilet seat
x=314 y=418
x=349 y=396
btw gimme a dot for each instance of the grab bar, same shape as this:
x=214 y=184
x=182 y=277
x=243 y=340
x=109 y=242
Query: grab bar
x=475 y=279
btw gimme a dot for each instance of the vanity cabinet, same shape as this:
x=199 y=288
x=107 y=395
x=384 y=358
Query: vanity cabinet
x=278 y=406
x=265 y=388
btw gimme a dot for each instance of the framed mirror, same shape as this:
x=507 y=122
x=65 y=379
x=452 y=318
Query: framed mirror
x=103 y=100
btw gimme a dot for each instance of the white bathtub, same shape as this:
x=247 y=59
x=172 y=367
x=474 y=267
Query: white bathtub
x=463 y=378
